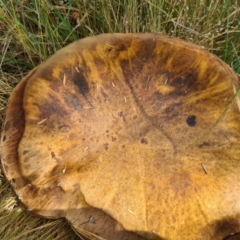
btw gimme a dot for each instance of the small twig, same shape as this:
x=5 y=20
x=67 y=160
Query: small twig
x=42 y=121
x=90 y=220
x=147 y=83
x=204 y=168
x=64 y=79
x=130 y=211
x=166 y=81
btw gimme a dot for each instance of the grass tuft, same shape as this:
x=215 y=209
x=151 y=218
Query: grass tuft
x=19 y=224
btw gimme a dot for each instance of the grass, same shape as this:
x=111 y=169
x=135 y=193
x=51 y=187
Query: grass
x=32 y=30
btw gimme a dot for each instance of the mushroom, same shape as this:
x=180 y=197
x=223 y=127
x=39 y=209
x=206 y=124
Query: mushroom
x=128 y=136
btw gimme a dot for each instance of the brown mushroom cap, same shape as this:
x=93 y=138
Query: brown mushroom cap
x=128 y=136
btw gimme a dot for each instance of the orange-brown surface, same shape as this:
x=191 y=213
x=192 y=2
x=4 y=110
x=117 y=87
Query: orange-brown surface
x=128 y=136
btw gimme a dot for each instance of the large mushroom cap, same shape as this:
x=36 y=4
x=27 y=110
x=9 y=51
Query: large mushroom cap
x=128 y=136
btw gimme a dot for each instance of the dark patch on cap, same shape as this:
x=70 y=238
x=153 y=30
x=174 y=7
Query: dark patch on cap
x=72 y=101
x=52 y=106
x=114 y=51
x=48 y=109
x=105 y=146
x=191 y=120
x=144 y=141
x=81 y=82
x=25 y=152
x=184 y=83
x=109 y=49
x=146 y=51
x=61 y=188
x=59 y=169
x=204 y=144
x=64 y=127
x=143 y=56
x=33 y=190
x=32 y=177
x=232 y=236
x=121 y=114
x=173 y=110
x=181 y=184
x=120 y=47
x=53 y=155
x=114 y=139
x=4 y=138
x=7 y=125
x=225 y=227
x=99 y=63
